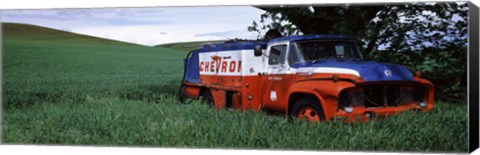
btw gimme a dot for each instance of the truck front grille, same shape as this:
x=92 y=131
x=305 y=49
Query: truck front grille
x=381 y=95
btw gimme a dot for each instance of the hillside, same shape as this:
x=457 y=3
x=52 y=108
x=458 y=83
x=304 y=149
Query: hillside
x=26 y=32
x=47 y=65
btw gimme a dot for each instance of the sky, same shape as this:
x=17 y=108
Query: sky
x=147 y=26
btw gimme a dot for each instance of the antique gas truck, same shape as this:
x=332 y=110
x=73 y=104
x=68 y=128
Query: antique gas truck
x=313 y=77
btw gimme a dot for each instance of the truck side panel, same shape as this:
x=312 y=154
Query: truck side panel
x=252 y=80
x=233 y=69
x=221 y=68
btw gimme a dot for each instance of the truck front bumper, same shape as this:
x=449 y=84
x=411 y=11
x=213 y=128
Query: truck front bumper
x=363 y=114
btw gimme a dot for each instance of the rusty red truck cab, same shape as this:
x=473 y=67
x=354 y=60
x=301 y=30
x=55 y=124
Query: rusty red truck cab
x=313 y=77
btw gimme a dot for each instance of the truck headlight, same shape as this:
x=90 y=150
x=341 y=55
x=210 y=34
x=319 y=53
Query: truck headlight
x=348 y=109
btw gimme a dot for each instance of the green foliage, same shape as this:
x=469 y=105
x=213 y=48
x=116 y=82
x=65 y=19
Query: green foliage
x=344 y=19
x=419 y=26
x=59 y=91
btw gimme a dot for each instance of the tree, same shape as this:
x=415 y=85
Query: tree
x=344 y=19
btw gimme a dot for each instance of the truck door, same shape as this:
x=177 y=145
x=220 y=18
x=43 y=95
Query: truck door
x=278 y=77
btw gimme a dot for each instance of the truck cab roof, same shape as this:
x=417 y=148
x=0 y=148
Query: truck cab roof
x=296 y=38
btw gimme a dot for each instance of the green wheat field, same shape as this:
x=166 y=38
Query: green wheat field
x=60 y=88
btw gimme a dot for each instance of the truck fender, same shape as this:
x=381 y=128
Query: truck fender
x=431 y=91
x=326 y=92
x=305 y=92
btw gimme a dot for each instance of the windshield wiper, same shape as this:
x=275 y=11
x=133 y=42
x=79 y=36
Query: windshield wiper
x=323 y=58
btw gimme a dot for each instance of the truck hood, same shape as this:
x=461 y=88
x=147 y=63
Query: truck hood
x=370 y=71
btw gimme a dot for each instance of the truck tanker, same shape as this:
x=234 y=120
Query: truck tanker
x=318 y=77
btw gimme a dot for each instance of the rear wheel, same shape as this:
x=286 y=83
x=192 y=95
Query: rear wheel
x=182 y=96
x=309 y=109
x=207 y=97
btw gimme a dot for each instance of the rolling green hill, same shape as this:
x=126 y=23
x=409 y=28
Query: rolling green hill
x=62 y=88
x=32 y=33
x=46 y=65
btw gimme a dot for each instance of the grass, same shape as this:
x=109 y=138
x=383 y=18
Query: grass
x=170 y=124
x=79 y=90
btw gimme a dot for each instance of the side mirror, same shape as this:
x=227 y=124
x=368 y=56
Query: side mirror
x=257 y=51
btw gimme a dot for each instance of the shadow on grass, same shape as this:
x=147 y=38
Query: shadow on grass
x=13 y=99
x=150 y=93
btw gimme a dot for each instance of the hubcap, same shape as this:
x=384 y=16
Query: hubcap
x=309 y=114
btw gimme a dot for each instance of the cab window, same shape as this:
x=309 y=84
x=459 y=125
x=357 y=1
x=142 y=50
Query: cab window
x=277 y=54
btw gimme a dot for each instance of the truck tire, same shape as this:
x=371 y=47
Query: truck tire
x=307 y=108
x=181 y=95
x=207 y=97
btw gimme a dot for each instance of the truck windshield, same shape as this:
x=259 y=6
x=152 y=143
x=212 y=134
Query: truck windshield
x=318 y=49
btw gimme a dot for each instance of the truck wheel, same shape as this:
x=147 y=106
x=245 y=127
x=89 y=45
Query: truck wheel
x=307 y=108
x=208 y=98
x=181 y=95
